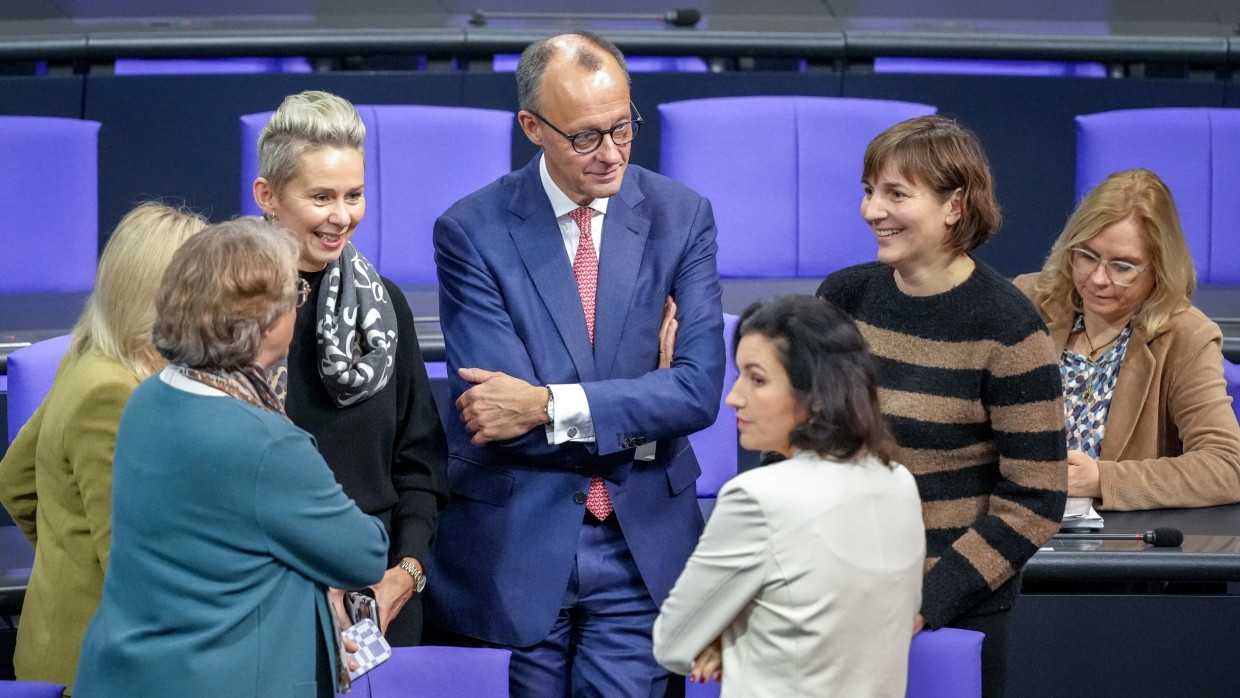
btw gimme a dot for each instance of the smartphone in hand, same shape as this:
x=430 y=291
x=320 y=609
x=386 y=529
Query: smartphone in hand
x=361 y=604
x=373 y=649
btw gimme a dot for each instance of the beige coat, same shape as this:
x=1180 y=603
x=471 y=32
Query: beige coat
x=1171 y=437
x=811 y=572
x=56 y=482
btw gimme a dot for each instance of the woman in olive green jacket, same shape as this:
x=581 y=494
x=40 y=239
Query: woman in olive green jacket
x=56 y=477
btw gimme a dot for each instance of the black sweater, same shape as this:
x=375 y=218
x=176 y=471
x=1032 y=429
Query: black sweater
x=388 y=452
x=970 y=384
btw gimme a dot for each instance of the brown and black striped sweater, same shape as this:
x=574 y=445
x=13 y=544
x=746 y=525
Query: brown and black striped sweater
x=970 y=384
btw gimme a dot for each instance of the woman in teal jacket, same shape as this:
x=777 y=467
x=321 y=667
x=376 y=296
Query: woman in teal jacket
x=227 y=525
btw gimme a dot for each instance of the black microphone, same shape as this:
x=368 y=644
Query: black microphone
x=683 y=17
x=1159 y=537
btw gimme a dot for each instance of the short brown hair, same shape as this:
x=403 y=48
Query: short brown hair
x=939 y=153
x=1141 y=196
x=831 y=373
x=222 y=290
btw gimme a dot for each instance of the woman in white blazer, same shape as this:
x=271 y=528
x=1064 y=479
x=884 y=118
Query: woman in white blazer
x=807 y=579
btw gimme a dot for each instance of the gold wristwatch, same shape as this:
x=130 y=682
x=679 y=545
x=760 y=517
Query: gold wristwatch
x=419 y=579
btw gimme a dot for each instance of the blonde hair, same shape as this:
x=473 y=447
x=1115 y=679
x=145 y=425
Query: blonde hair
x=304 y=122
x=120 y=312
x=1137 y=195
x=223 y=289
x=939 y=153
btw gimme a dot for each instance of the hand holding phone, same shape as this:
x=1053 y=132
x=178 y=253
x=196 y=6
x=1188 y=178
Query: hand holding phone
x=373 y=649
x=361 y=604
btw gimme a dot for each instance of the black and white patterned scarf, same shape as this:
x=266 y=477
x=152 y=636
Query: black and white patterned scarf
x=355 y=325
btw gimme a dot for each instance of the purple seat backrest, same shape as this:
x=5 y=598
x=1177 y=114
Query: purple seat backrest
x=419 y=161
x=1196 y=151
x=783 y=175
x=945 y=663
x=715 y=446
x=507 y=63
x=209 y=66
x=447 y=672
x=49 y=174
x=30 y=689
x=1231 y=372
x=31 y=371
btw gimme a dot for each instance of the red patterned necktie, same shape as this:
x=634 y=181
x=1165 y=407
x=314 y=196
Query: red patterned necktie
x=585 y=268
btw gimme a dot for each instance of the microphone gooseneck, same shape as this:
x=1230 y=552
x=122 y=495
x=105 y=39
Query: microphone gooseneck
x=683 y=17
x=1159 y=537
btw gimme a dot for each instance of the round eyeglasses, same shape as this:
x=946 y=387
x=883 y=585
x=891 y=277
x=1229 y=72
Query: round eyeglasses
x=587 y=142
x=303 y=291
x=1120 y=273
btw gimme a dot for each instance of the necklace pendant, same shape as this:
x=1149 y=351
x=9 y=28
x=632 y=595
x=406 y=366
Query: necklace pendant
x=1089 y=393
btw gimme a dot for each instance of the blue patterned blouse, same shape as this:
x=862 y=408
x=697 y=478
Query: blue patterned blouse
x=1087 y=389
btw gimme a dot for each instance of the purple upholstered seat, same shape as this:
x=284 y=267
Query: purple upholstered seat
x=715 y=446
x=945 y=663
x=209 y=66
x=30 y=372
x=30 y=689
x=419 y=161
x=1196 y=151
x=971 y=66
x=444 y=672
x=783 y=175
x=1231 y=372
x=50 y=179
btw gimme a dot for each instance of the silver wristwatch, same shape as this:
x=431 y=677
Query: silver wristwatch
x=419 y=579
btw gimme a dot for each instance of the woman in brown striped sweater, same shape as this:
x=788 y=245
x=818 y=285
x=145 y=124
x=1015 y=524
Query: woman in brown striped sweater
x=968 y=377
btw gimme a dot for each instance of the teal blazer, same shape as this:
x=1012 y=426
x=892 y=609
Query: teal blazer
x=226 y=527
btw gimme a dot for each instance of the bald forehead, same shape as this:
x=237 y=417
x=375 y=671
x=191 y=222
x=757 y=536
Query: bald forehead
x=570 y=50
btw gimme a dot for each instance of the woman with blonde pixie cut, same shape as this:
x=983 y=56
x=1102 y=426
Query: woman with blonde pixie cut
x=227 y=523
x=1149 y=422
x=56 y=478
x=354 y=376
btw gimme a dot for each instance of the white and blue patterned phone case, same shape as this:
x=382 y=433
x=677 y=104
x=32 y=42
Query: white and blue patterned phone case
x=373 y=648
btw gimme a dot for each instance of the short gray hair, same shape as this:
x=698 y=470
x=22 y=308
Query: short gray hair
x=533 y=64
x=304 y=122
x=224 y=287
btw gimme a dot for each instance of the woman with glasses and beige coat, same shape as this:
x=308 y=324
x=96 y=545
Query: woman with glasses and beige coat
x=1147 y=414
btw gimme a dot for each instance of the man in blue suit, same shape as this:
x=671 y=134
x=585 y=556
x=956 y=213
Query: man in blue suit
x=573 y=503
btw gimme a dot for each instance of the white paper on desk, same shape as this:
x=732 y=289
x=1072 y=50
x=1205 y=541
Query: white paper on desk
x=1079 y=514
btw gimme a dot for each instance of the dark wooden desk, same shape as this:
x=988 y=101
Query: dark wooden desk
x=1175 y=640
x=1210 y=552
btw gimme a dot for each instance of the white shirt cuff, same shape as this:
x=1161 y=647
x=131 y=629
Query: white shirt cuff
x=572 y=415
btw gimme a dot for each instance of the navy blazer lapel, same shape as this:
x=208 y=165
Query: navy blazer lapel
x=538 y=241
x=620 y=263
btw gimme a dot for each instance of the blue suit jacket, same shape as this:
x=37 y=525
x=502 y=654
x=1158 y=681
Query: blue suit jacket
x=509 y=302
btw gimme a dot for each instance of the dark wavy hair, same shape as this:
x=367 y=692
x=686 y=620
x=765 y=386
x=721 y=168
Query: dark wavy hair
x=831 y=372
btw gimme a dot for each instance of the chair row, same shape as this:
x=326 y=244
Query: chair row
x=785 y=195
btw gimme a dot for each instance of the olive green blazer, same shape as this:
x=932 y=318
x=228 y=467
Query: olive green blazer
x=56 y=483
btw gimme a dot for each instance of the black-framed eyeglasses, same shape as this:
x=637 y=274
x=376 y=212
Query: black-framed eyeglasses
x=1120 y=273
x=303 y=291
x=587 y=142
